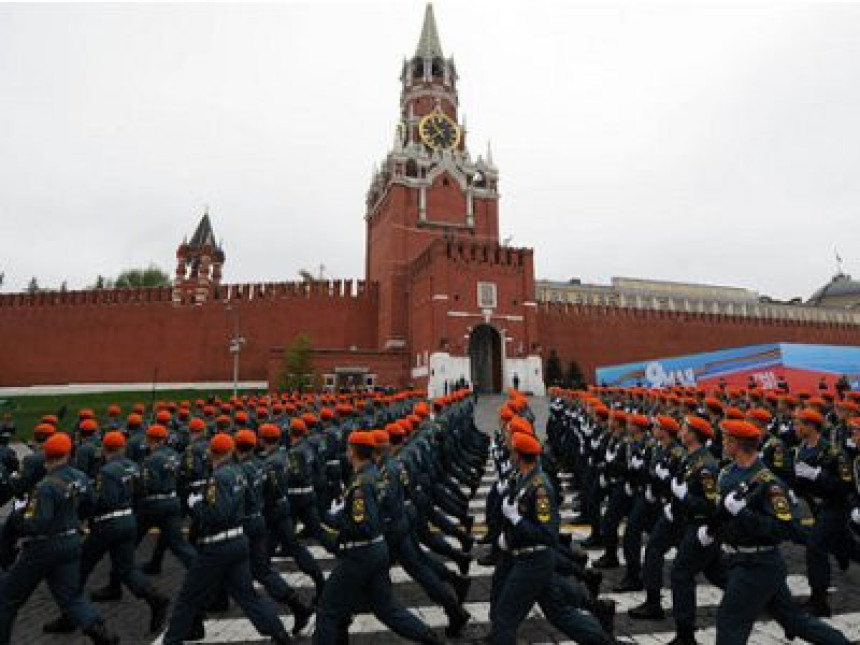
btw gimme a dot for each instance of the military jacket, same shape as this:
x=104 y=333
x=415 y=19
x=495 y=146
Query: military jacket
x=536 y=504
x=117 y=484
x=57 y=504
x=223 y=504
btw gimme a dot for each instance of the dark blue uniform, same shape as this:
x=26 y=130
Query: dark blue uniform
x=223 y=559
x=51 y=550
x=360 y=576
x=757 y=573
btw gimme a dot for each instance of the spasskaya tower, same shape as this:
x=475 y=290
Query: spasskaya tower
x=430 y=194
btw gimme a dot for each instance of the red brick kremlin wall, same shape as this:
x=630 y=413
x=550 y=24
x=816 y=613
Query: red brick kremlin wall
x=122 y=336
x=598 y=335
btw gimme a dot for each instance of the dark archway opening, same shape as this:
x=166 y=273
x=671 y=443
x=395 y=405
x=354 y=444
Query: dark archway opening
x=485 y=356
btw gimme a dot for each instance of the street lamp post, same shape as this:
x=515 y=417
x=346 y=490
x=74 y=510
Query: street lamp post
x=235 y=348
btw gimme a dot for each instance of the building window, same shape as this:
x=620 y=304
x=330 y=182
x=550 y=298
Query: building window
x=487 y=295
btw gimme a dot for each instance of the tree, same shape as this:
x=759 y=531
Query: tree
x=554 y=374
x=297 y=372
x=574 y=377
x=151 y=276
x=33 y=286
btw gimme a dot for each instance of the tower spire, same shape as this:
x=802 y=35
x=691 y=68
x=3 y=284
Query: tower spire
x=428 y=44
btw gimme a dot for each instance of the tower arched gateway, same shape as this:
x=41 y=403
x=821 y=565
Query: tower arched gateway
x=485 y=359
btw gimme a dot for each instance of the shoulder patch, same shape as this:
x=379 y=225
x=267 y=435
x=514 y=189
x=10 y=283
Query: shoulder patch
x=542 y=505
x=211 y=492
x=359 y=510
x=709 y=485
x=844 y=468
x=779 y=502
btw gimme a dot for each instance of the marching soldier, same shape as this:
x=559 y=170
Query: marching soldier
x=755 y=516
x=822 y=476
x=255 y=529
x=113 y=530
x=223 y=557
x=360 y=575
x=51 y=548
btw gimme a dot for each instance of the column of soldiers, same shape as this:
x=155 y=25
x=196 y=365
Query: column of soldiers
x=376 y=480
x=724 y=477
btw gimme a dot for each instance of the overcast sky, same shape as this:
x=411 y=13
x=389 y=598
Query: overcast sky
x=704 y=142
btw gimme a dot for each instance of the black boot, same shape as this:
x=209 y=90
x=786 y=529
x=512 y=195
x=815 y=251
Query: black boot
x=648 y=610
x=158 y=605
x=99 y=635
x=281 y=639
x=604 y=611
x=608 y=560
x=456 y=622
x=198 y=631
x=62 y=624
x=301 y=614
x=107 y=593
x=463 y=561
x=461 y=586
x=592 y=579
x=818 y=605
x=467 y=542
x=432 y=639
x=151 y=568
x=684 y=635
x=490 y=558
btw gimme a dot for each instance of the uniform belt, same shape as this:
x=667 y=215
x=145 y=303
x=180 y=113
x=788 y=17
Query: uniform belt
x=333 y=462
x=196 y=483
x=153 y=498
x=354 y=545
x=751 y=549
x=109 y=516
x=304 y=490
x=42 y=538
x=223 y=536
x=530 y=549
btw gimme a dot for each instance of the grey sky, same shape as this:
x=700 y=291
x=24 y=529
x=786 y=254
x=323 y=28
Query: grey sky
x=714 y=142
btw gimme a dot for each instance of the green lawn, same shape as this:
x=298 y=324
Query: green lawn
x=27 y=410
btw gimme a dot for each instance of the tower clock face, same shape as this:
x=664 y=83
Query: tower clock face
x=439 y=131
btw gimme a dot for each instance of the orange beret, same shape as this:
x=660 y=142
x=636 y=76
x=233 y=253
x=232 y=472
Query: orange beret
x=700 y=425
x=396 y=429
x=209 y=410
x=134 y=420
x=713 y=403
x=811 y=416
x=415 y=420
x=619 y=415
x=270 y=431
x=639 y=420
x=735 y=413
x=223 y=420
x=298 y=425
x=327 y=414
x=138 y=408
x=851 y=406
x=519 y=425
x=526 y=444
x=114 y=440
x=421 y=409
x=668 y=423
x=602 y=411
x=309 y=419
x=790 y=399
x=89 y=426
x=740 y=429
x=197 y=424
x=58 y=445
x=44 y=430
x=381 y=437
x=506 y=414
x=85 y=413
x=760 y=414
x=157 y=431
x=854 y=423
x=817 y=401
x=114 y=410
x=246 y=438
x=221 y=443
x=362 y=438
x=163 y=416
x=241 y=416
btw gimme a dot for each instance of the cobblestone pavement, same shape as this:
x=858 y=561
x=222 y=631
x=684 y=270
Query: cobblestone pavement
x=130 y=617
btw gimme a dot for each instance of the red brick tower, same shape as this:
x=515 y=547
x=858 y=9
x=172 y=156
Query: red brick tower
x=462 y=305
x=428 y=187
x=198 y=266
